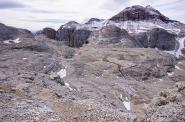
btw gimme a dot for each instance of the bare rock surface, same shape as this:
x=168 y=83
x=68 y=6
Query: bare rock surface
x=137 y=13
x=73 y=37
x=108 y=78
x=8 y=33
x=169 y=106
x=157 y=38
x=48 y=32
x=112 y=36
x=29 y=94
x=45 y=80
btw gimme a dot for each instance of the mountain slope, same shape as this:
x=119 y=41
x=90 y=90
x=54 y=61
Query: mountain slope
x=11 y=33
x=138 y=18
x=140 y=13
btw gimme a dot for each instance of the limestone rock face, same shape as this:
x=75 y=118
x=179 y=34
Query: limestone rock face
x=64 y=34
x=71 y=24
x=183 y=51
x=48 y=32
x=7 y=33
x=79 y=38
x=112 y=36
x=181 y=34
x=157 y=38
x=139 y=13
x=92 y=20
x=110 y=31
x=73 y=37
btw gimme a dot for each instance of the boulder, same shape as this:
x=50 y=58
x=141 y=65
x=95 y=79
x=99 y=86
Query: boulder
x=157 y=38
x=12 y=33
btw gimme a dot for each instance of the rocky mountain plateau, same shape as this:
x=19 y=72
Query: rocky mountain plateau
x=129 y=68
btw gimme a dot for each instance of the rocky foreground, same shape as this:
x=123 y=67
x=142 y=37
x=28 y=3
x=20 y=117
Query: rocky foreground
x=114 y=76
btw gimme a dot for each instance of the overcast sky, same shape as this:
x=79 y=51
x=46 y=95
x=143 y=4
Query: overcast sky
x=36 y=14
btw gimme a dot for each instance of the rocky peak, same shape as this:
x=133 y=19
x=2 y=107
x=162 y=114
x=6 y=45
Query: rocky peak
x=140 y=13
x=71 y=24
x=92 y=20
x=48 y=32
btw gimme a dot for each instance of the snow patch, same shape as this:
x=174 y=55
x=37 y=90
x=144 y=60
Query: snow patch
x=181 y=46
x=68 y=86
x=16 y=41
x=160 y=79
x=177 y=67
x=180 y=63
x=62 y=73
x=95 y=25
x=127 y=104
x=170 y=74
x=177 y=53
x=45 y=109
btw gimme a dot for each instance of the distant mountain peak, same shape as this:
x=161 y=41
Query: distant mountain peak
x=140 y=13
x=93 y=20
x=71 y=24
x=149 y=6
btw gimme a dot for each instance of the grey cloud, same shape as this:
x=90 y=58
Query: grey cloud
x=173 y=6
x=43 y=11
x=40 y=11
x=11 y=4
x=169 y=3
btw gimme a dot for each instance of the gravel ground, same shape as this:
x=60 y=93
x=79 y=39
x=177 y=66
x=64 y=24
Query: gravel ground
x=99 y=82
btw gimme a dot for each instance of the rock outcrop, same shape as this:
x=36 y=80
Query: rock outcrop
x=112 y=36
x=12 y=33
x=131 y=63
x=157 y=38
x=168 y=106
x=71 y=24
x=140 y=13
x=48 y=32
x=183 y=51
x=92 y=20
x=181 y=34
x=72 y=36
